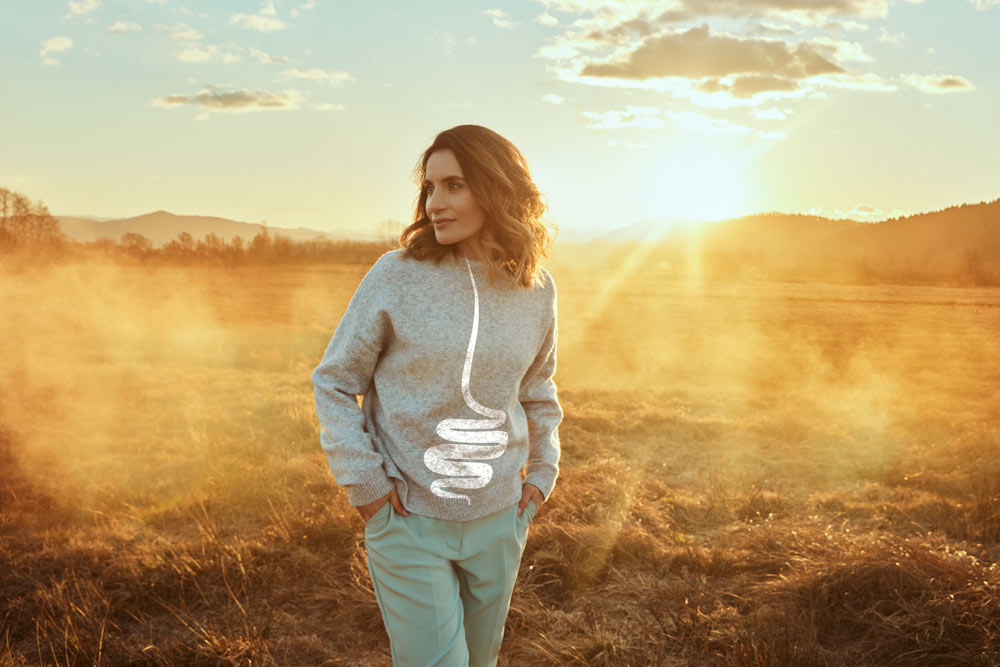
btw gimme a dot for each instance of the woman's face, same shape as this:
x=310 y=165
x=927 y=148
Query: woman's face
x=450 y=201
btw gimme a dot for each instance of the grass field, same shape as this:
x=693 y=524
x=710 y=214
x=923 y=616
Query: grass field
x=753 y=473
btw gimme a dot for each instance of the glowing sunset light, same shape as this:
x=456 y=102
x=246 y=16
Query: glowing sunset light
x=697 y=182
x=310 y=113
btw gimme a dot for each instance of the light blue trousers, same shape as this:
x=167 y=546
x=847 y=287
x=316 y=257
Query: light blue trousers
x=444 y=587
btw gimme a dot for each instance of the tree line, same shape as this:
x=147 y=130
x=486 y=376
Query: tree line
x=265 y=247
x=23 y=222
x=28 y=227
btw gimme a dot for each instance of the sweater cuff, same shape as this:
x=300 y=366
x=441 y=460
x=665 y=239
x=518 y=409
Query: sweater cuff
x=372 y=486
x=545 y=482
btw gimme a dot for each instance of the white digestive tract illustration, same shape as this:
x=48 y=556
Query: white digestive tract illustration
x=468 y=438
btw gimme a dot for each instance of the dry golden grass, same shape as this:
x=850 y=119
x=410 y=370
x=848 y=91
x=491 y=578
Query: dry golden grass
x=752 y=474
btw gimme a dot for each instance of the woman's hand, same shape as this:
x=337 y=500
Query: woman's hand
x=369 y=510
x=530 y=492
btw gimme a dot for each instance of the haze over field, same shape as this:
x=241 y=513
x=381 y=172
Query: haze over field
x=738 y=458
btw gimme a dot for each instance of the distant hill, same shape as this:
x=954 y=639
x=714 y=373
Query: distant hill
x=161 y=227
x=958 y=238
x=960 y=244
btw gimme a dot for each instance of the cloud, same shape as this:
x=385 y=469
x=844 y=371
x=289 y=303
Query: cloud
x=316 y=74
x=264 y=57
x=852 y=26
x=865 y=211
x=767 y=28
x=81 y=8
x=268 y=9
x=696 y=122
x=645 y=117
x=213 y=98
x=652 y=118
x=306 y=6
x=259 y=22
x=884 y=36
x=842 y=51
x=983 y=5
x=938 y=84
x=181 y=31
x=122 y=26
x=445 y=39
x=696 y=53
x=774 y=113
x=196 y=53
x=157 y=2
x=849 y=81
x=500 y=18
x=711 y=68
x=803 y=12
x=55 y=45
x=770 y=50
x=329 y=107
x=547 y=19
x=748 y=85
x=552 y=98
x=860 y=213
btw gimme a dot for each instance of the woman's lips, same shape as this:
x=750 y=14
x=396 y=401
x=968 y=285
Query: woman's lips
x=441 y=223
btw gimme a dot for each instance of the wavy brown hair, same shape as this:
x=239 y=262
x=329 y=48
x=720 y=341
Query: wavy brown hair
x=514 y=236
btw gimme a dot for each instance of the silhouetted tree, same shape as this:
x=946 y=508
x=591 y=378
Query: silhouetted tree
x=182 y=246
x=186 y=243
x=283 y=247
x=260 y=245
x=215 y=245
x=23 y=222
x=975 y=270
x=135 y=243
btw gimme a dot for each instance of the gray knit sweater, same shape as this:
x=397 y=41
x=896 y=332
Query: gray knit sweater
x=456 y=379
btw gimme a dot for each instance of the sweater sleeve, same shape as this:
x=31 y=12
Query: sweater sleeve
x=540 y=402
x=344 y=373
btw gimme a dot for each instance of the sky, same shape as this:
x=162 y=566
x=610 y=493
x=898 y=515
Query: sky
x=313 y=113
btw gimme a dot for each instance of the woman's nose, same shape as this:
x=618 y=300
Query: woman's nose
x=433 y=203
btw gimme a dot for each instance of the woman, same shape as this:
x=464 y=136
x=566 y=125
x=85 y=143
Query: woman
x=451 y=340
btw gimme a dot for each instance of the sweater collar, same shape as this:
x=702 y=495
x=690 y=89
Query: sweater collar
x=478 y=267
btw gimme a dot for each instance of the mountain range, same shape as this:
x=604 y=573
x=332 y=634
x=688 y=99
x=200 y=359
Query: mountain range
x=963 y=238
x=161 y=227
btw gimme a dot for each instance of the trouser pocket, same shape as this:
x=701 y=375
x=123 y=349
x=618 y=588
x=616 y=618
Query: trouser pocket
x=527 y=515
x=379 y=521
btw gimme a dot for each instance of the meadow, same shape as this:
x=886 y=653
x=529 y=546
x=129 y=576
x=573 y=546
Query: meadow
x=753 y=473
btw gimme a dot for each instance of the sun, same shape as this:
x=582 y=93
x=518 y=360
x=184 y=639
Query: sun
x=700 y=182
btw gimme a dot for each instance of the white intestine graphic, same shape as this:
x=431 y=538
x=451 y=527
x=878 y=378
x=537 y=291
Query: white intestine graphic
x=468 y=438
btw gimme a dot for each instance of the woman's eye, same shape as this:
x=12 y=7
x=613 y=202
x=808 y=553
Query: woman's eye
x=429 y=188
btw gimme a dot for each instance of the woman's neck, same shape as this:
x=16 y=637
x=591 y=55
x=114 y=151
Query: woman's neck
x=473 y=252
